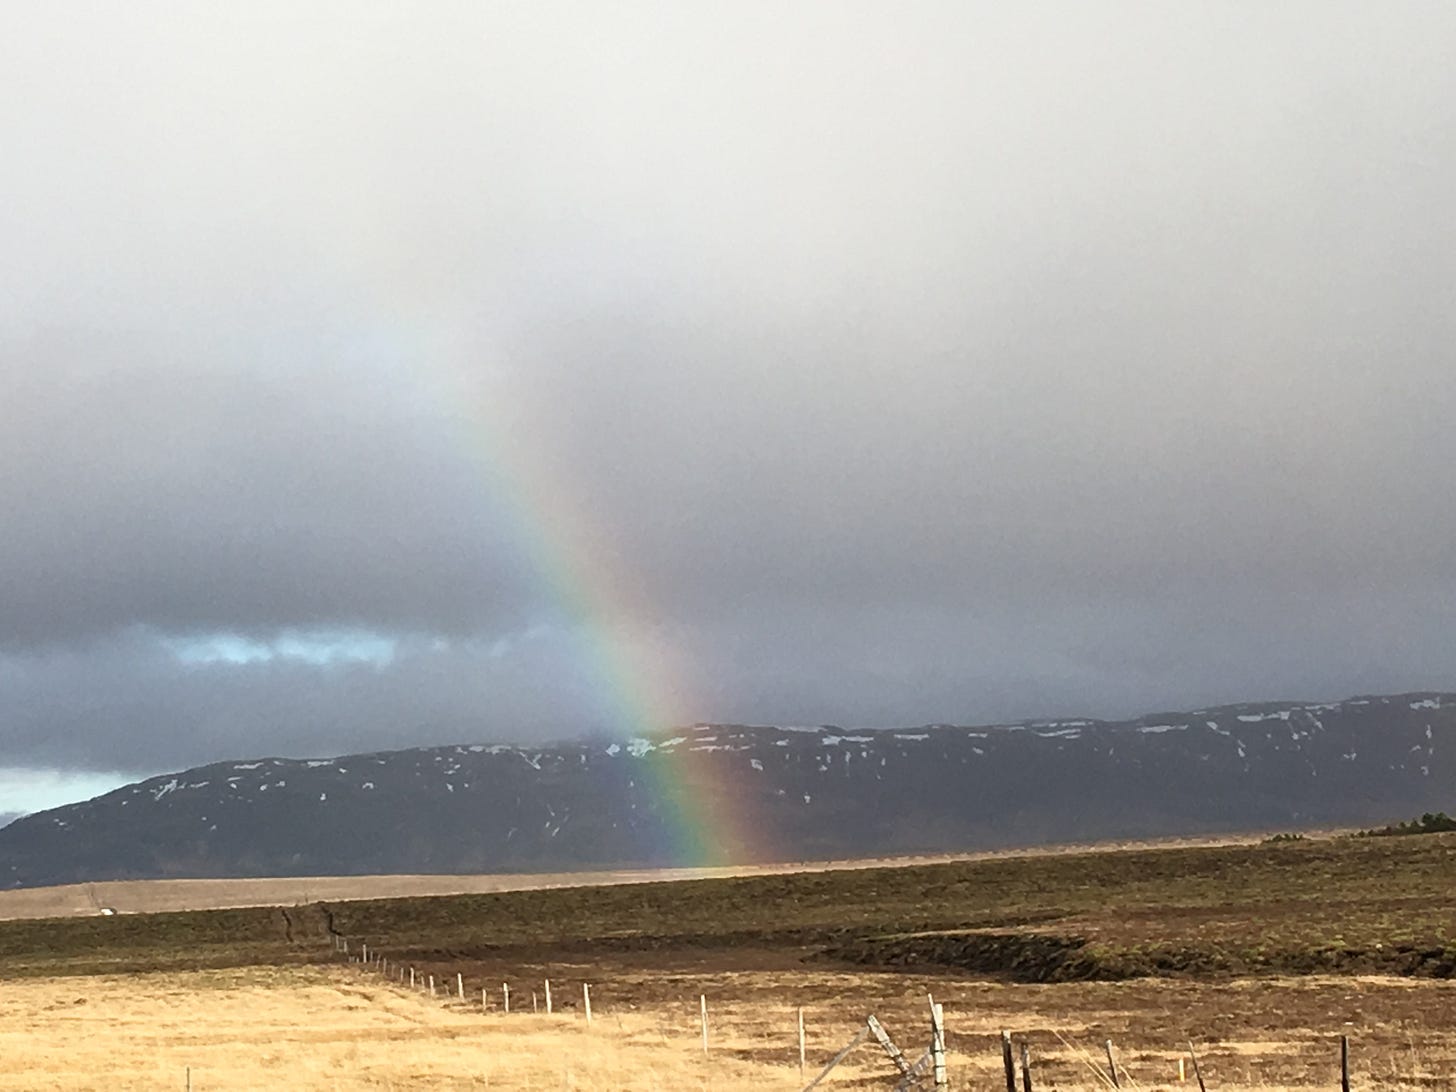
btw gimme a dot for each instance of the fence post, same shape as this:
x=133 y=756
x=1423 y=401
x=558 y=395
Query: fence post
x=1196 y=1071
x=460 y=985
x=703 y=1012
x=802 y=1057
x=864 y=1033
x=506 y=996
x=1008 y=1061
x=887 y=1044
x=937 y=1043
x=1112 y=1066
x=1344 y=1063
x=548 y=997
x=1025 y=1068
x=586 y=1000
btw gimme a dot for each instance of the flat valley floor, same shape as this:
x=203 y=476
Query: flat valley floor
x=345 y=1028
x=1261 y=956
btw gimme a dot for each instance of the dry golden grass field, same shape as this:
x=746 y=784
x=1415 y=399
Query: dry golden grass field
x=1262 y=955
x=346 y=1028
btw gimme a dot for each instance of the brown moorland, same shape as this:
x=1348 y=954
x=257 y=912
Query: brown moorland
x=161 y=896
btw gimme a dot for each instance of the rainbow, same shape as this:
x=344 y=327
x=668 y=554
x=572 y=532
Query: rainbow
x=644 y=692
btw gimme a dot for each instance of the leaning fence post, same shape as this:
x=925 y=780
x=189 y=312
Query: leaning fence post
x=864 y=1033
x=937 y=1043
x=1112 y=1066
x=1008 y=1061
x=888 y=1045
x=1196 y=1071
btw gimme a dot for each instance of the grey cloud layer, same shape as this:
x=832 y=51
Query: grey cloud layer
x=896 y=364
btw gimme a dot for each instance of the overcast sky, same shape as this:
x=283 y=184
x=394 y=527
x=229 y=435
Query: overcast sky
x=375 y=375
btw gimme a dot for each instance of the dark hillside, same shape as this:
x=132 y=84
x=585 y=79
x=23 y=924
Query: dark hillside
x=732 y=792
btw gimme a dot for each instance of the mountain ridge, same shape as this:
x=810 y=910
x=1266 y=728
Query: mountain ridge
x=711 y=793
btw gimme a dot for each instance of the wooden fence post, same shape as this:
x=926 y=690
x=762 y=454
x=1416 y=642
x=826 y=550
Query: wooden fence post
x=484 y=1000
x=548 y=997
x=534 y=1007
x=412 y=978
x=703 y=1013
x=586 y=1000
x=1196 y=1071
x=864 y=1033
x=1112 y=1066
x=888 y=1045
x=802 y=1058
x=1008 y=1061
x=1344 y=1063
x=460 y=985
x=432 y=985
x=937 y=1043
x=1025 y=1068
x=506 y=996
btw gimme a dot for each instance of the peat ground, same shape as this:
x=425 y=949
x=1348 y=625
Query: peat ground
x=1337 y=905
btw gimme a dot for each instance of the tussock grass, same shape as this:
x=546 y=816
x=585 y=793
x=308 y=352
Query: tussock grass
x=341 y=1028
x=314 y=1029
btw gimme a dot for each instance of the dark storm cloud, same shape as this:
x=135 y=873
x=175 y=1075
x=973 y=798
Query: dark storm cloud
x=145 y=488
x=867 y=364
